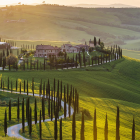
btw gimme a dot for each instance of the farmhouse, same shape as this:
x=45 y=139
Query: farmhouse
x=73 y=49
x=66 y=48
x=46 y=51
x=4 y=45
x=79 y=47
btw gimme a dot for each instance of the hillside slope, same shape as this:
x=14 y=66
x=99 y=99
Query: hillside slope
x=47 y=22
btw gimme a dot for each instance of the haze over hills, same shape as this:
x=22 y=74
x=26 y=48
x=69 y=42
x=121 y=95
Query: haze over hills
x=117 y=5
x=75 y=24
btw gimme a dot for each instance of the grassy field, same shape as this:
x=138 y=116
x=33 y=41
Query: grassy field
x=132 y=45
x=5 y=97
x=131 y=53
x=98 y=88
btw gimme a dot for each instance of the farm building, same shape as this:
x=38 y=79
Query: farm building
x=73 y=49
x=79 y=47
x=4 y=45
x=46 y=51
x=66 y=48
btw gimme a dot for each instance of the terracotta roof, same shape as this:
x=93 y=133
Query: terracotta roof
x=46 y=47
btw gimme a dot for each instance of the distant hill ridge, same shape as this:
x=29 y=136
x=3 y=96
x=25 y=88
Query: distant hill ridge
x=117 y=5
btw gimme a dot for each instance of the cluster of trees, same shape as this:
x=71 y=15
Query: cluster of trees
x=70 y=96
x=106 y=127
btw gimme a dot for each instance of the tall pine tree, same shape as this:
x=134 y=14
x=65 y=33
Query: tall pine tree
x=94 y=127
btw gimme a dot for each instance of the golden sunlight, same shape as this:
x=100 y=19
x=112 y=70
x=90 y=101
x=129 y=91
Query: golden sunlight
x=8 y=2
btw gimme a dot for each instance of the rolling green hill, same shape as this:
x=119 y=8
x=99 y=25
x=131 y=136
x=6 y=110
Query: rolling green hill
x=61 y=23
x=101 y=89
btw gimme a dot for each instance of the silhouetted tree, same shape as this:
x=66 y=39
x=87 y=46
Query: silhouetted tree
x=106 y=129
x=133 y=130
x=117 y=125
x=94 y=127
x=82 y=127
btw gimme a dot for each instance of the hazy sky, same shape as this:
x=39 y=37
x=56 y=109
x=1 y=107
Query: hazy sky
x=67 y=2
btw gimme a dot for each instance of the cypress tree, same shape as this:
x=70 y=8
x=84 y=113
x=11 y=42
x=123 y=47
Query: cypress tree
x=8 y=83
x=117 y=125
x=95 y=41
x=77 y=103
x=65 y=108
x=80 y=60
x=58 y=89
x=35 y=111
x=94 y=127
x=82 y=127
x=5 y=123
x=61 y=89
x=27 y=87
x=67 y=92
x=10 y=110
x=51 y=112
x=73 y=94
x=99 y=41
x=106 y=129
x=54 y=95
x=1 y=83
x=23 y=124
x=30 y=126
x=115 y=55
x=11 y=86
x=69 y=106
x=43 y=110
x=20 y=87
x=61 y=129
x=44 y=90
x=49 y=107
x=18 y=110
x=28 y=110
x=133 y=130
x=40 y=128
x=56 y=124
x=73 y=127
x=16 y=84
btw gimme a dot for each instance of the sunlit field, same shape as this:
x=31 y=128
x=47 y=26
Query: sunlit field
x=103 y=90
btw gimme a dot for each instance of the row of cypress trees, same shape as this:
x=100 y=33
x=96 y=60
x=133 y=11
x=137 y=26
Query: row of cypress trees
x=106 y=127
x=116 y=50
x=29 y=119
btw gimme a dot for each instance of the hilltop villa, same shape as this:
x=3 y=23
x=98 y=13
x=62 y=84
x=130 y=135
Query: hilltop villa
x=46 y=51
x=73 y=49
